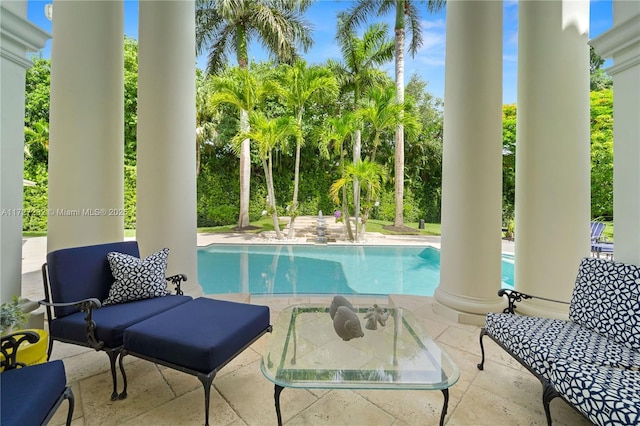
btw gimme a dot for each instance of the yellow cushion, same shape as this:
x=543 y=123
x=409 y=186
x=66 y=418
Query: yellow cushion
x=32 y=353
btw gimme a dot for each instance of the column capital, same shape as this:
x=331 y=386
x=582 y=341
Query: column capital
x=18 y=37
x=622 y=42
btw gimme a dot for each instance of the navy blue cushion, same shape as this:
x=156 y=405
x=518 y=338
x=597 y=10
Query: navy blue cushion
x=29 y=394
x=111 y=320
x=83 y=272
x=200 y=335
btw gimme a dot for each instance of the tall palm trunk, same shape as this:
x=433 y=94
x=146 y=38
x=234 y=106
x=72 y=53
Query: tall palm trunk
x=296 y=179
x=345 y=203
x=399 y=153
x=268 y=172
x=367 y=210
x=357 y=149
x=245 y=172
x=198 y=157
x=245 y=150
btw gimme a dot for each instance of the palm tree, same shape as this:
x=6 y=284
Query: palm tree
x=301 y=85
x=335 y=134
x=359 y=71
x=268 y=134
x=407 y=15
x=380 y=113
x=36 y=136
x=370 y=174
x=226 y=26
x=240 y=88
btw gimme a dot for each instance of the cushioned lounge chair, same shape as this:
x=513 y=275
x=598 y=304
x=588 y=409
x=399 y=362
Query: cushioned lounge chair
x=76 y=282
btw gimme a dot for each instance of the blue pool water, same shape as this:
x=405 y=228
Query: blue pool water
x=306 y=269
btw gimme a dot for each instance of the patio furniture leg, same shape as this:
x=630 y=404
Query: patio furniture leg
x=69 y=397
x=483 y=332
x=207 y=380
x=548 y=393
x=113 y=355
x=278 y=390
x=123 y=394
x=444 y=407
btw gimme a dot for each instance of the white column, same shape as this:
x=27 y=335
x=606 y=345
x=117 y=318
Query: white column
x=552 y=158
x=166 y=200
x=622 y=43
x=18 y=36
x=470 y=260
x=86 y=147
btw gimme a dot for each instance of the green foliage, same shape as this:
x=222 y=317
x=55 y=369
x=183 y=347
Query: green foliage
x=228 y=26
x=326 y=127
x=599 y=79
x=508 y=162
x=130 y=197
x=602 y=153
x=12 y=315
x=217 y=190
x=35 y=198
x=37 y=92
x=423 y=153
x=130 y=100
x=601 y=103
x=386 y=210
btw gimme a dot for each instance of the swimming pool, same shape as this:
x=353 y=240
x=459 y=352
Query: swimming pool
x=312 y=269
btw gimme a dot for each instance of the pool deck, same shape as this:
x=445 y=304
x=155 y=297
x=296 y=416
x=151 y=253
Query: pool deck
x=503 y=394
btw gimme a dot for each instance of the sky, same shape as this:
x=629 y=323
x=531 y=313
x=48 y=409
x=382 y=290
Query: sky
x=428 y=63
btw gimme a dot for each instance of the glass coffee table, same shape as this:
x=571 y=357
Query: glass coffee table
x=305 y=351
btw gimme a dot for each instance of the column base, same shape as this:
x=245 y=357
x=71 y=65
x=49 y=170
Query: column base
x=463 y=309
x=458 y=316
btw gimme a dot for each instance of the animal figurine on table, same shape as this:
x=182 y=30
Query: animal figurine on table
x=337 y=302
x=347 y=324
x=375 y=315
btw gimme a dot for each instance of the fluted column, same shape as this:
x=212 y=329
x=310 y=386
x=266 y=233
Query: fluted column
x=18 y=36
x=470 y=261
x=552 y=205
x=166 y=194
x=622 y=43
x=86 y=147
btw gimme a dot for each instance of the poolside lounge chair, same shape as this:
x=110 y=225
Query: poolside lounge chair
x=602 y=248
x=597 y=228
x=598 y=245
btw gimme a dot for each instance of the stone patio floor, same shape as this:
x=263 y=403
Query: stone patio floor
x=505 y=393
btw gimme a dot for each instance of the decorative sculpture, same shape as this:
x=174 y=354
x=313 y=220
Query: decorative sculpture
x=347 y=324
x=337 y=302
x=375 y=315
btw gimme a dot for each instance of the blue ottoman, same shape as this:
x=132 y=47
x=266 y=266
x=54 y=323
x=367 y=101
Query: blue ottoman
x=198 y=337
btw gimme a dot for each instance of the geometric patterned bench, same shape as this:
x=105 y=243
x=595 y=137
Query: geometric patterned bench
x=605 y=395
x=591 y=361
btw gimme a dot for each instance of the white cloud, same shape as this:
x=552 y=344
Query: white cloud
x=431 y=53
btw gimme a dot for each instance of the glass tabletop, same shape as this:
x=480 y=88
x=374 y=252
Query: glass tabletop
x=392 y=350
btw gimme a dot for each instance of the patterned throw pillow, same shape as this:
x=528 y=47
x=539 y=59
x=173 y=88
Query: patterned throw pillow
x=136 y=278
x=606 y=299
